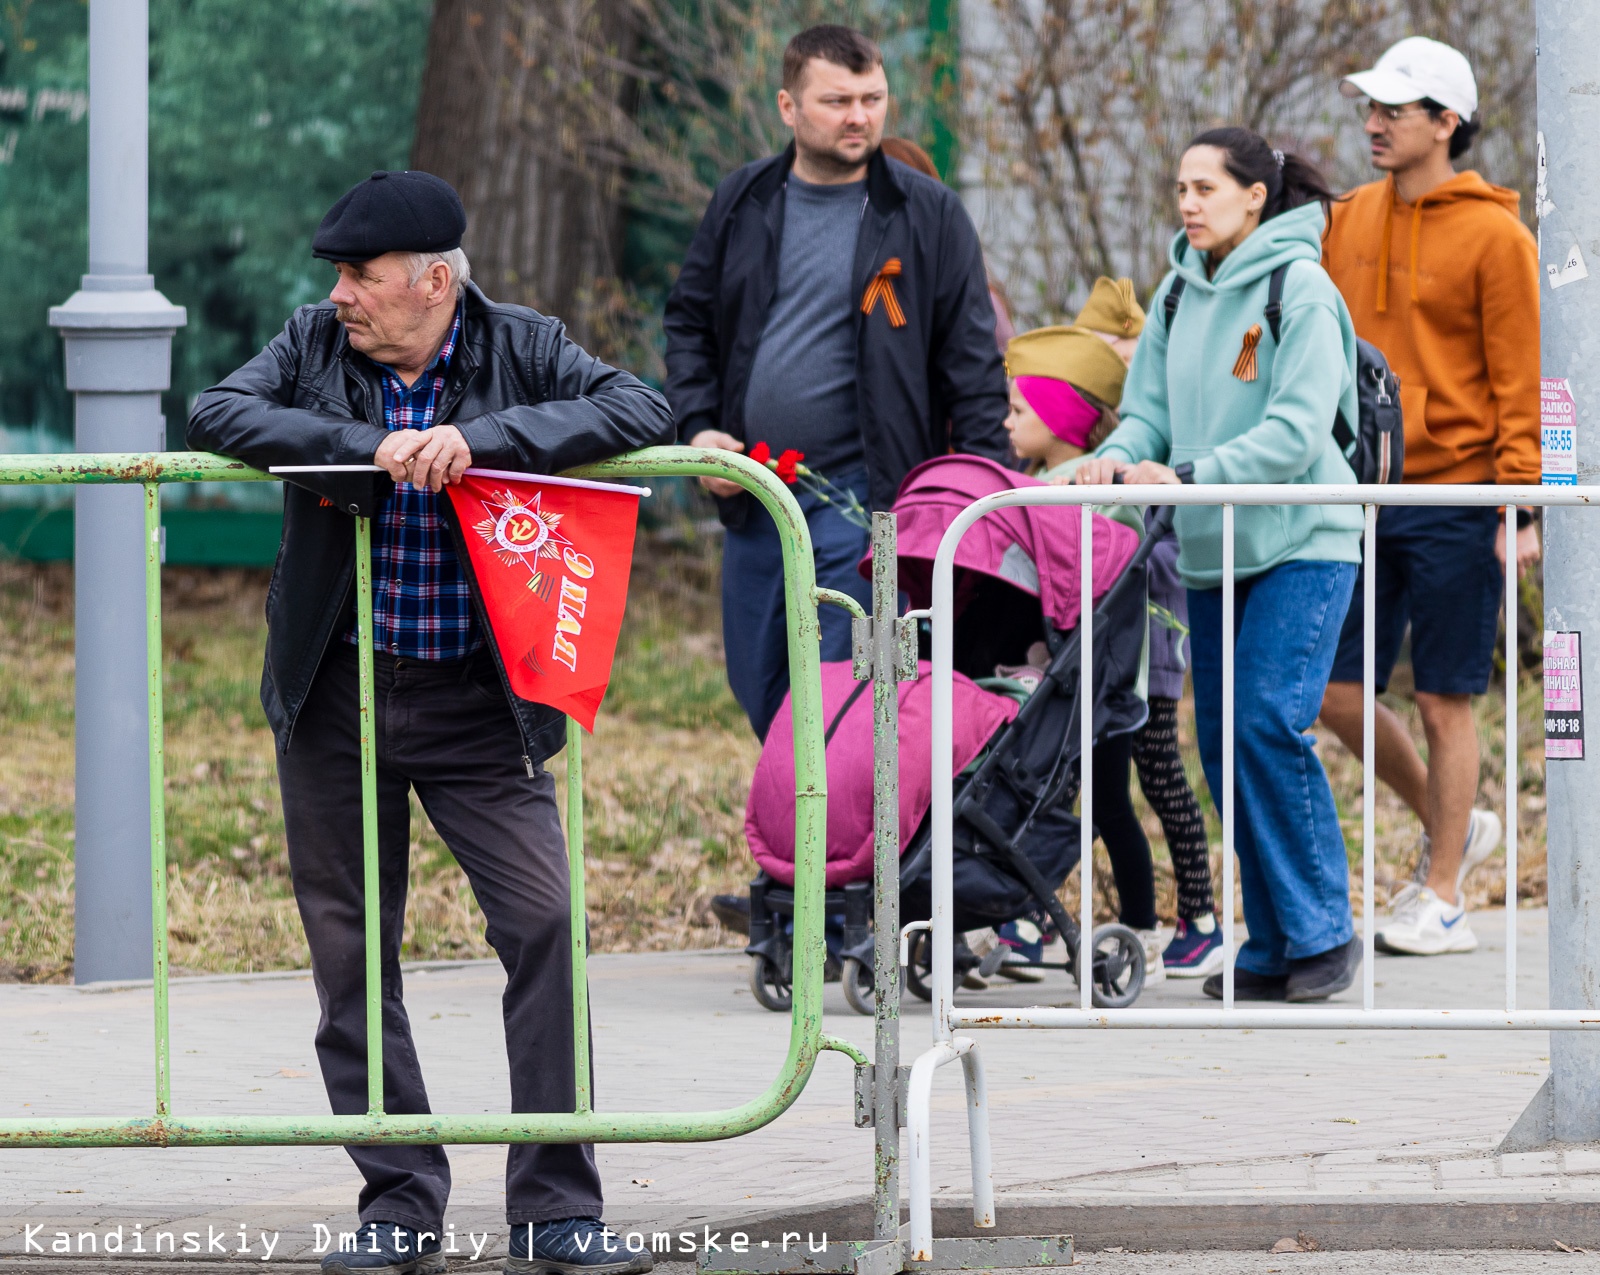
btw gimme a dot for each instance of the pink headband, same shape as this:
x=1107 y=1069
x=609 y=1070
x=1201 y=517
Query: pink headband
x=1061 y=408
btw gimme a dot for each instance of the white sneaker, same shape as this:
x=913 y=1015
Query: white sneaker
x=1155 y=970
x=1483 y=835
x=1425 y=925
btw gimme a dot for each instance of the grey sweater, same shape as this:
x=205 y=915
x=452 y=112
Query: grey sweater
x=803 y=384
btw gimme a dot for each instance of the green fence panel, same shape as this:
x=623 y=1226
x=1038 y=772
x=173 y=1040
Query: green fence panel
x=165 y=1127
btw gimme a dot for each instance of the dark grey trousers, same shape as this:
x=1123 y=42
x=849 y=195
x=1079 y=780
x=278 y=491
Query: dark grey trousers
x=446 y=730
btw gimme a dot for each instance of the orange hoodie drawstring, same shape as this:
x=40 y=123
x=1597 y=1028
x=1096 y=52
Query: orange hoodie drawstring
x=1383 y=251
x=1416 y=244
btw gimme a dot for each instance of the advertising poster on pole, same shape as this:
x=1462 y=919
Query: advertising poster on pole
x=1563 y=696
x=1558 y=433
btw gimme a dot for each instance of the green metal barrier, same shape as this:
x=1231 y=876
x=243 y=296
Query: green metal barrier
x=583 y=1124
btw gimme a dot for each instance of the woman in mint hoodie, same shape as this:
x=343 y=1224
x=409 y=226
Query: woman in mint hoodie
x=1216 y=400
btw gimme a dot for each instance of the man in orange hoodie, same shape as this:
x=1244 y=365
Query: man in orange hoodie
x=1441 y=275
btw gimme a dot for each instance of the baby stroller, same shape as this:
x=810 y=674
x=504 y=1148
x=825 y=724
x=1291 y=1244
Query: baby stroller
x=1016 y=840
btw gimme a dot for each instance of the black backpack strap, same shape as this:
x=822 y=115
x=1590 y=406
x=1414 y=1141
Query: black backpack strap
x=838 y=718
x=1274 y=310
x=1169 y=303
x=1343 y=436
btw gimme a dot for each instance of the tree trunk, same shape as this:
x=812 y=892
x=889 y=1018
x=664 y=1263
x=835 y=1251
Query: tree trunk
x=520 y=110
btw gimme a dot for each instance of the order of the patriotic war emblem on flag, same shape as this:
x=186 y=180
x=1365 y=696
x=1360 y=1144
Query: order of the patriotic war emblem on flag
x=520 y=532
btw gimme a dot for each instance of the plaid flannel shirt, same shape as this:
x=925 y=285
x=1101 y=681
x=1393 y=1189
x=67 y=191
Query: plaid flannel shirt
x=421 y=605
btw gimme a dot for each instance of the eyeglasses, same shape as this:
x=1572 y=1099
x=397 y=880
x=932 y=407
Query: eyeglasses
x=1388 y=114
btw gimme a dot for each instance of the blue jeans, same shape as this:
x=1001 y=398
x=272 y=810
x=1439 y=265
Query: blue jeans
x=1292 y=866
x=754 y=636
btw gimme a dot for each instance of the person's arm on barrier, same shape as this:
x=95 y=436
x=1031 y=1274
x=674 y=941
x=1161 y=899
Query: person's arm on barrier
x=967 y=371
x=589 y=411
x=249 y=416
x=694 y=376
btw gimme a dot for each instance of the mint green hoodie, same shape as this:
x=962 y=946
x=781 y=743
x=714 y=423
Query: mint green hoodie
x=1182 y=401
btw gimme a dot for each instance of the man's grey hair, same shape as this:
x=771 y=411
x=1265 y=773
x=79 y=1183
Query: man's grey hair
x=417 y=264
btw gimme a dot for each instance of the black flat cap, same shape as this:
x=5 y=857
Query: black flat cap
x=392 y=212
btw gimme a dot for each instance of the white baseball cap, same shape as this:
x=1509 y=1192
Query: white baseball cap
x=1415 y=68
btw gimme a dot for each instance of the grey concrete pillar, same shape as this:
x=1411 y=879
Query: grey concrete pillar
x=1567 y=1109
x=117 y=332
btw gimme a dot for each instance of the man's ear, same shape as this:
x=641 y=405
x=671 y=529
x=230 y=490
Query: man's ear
x=441 y=284
x=786 y=107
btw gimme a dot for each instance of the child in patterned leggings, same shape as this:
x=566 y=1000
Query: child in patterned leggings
x=1196 y=947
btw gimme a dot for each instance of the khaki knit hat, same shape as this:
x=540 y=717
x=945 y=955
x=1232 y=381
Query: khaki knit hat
x=1075 y=355
x=1112 y=308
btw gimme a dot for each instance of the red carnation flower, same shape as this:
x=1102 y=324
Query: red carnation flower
x=761 y=453
x=786 y=464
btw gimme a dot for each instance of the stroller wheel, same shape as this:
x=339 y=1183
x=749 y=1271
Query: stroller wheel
x=919 y=973
x=859 y=989
x=1118 y=967
x=770 y=985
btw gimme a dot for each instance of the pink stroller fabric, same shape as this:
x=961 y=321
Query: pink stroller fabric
x=769 y=816
x=1034 y=548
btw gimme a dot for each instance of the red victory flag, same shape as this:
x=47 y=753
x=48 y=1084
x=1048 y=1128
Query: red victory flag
x=551 y=558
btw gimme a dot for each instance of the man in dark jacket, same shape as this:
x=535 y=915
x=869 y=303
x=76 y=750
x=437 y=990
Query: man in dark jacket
x=410 y=367
x=834 y=303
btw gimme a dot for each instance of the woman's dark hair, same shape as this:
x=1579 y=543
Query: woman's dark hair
x=1466 y=130
x=1290 y=179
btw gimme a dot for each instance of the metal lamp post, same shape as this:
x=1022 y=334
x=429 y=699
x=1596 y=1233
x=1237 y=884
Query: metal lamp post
x=1567 y=1107
x=117 y=331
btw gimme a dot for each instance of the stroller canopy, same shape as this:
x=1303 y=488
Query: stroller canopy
x=1034 y=548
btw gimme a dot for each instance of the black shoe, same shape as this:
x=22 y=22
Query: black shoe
x=572 y=1246
x=733 y=910
x=1248 y=986
x=387 y=1248
x=1315 y=978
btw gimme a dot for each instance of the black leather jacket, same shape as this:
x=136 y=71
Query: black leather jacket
x=523 y=396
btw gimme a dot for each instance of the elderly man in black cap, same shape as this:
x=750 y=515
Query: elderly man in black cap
x=409 y=366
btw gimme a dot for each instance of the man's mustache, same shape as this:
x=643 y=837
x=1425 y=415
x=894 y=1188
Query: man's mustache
x=346 y=314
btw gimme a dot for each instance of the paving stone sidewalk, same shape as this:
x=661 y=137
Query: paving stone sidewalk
x=1105 y=1117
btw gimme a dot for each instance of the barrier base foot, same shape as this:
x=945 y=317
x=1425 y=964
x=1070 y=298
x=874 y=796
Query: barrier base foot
x=888 y=1257
x=1535 y=1129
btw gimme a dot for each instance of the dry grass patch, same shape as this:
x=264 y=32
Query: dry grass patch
x=666 y=775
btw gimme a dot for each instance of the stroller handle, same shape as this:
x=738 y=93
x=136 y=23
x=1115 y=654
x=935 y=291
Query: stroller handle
x=1156 y=530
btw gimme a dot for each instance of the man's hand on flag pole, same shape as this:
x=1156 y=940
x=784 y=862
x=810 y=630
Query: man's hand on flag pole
x=424 y=457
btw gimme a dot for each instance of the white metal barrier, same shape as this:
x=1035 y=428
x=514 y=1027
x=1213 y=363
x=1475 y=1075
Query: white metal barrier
x=949 y=1018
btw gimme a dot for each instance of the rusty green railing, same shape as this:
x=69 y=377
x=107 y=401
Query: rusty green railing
x=806 y=1038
